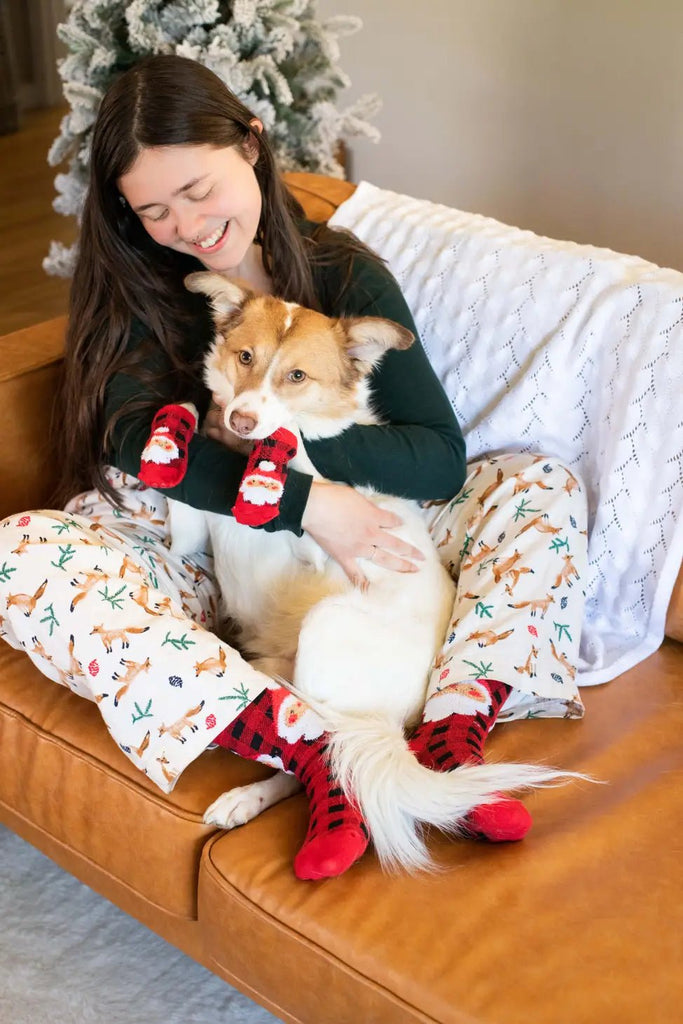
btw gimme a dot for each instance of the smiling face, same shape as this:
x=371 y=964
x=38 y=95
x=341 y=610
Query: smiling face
x=200 y=200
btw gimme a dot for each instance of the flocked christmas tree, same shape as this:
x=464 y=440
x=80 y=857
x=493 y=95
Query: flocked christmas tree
x=277 y=56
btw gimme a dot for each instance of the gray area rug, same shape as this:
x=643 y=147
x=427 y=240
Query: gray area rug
x=68 y=956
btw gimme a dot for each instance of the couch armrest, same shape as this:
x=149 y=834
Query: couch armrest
x=31 y=361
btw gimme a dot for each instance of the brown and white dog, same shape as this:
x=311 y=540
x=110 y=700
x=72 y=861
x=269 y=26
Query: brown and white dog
x=360 y=656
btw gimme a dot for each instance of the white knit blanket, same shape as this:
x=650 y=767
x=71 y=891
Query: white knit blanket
x=574 y=351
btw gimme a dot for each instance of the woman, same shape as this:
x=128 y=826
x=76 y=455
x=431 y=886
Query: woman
x=182 y=177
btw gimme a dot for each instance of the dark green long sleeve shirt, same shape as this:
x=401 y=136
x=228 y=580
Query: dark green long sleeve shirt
x=418 y=453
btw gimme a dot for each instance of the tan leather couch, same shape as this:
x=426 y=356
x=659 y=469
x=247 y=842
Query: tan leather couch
x=579 y=924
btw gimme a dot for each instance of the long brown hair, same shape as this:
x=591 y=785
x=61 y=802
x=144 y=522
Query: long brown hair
x=122 y=275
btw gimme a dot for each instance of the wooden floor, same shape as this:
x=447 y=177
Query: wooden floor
x=28 y=223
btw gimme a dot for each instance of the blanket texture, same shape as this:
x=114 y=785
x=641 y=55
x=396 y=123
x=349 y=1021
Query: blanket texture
x=570 y=350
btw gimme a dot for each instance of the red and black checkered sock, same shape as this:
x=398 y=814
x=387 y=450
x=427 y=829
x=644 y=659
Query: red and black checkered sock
x=337 y=835
x=263 y=482
x=163 y=462
x=459 y=739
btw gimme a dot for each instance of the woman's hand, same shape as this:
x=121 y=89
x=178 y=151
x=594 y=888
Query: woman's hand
x=349 y=526
x=214 y=427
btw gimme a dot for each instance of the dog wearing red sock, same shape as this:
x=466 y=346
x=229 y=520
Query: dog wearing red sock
x=164 y=458
x=360 y=657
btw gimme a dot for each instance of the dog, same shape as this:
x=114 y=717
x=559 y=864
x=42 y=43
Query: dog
x=359 y=655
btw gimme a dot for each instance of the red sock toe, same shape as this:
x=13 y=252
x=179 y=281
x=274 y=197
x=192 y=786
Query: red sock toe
x=503 y=822
x=329 y=854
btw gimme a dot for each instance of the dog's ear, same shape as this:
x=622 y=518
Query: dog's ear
x=226 y=295
x=369 y=337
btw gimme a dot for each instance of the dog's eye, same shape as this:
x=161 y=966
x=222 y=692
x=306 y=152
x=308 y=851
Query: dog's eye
x=296 y=376
x=245 y=357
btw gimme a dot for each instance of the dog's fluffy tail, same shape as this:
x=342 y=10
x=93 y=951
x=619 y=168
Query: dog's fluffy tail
x=397 y=795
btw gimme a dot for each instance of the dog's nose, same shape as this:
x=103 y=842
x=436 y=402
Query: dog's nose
x=242 y=423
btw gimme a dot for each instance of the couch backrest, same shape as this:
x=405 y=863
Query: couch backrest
x=319 y=195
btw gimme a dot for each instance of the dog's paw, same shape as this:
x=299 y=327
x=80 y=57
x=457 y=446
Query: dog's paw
x=240 y=805
x=236 y=807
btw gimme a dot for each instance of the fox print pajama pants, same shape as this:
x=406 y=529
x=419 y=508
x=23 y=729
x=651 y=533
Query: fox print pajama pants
x=98 y=602
x=515 y=541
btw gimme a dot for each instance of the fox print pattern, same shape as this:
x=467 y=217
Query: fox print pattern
x=101 y=607
x=514 y=539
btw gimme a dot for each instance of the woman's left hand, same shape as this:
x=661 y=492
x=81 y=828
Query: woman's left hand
x=348 y=526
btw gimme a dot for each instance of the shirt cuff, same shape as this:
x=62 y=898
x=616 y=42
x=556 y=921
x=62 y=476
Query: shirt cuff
x=292 y=504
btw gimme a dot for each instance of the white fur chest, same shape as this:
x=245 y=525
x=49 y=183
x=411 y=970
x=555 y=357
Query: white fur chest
x=250 y=564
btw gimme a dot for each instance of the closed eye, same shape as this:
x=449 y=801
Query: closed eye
x=198 y=199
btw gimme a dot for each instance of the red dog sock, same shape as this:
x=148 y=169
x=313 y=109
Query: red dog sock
x=337 y=835
x=258 y=499
x=163 y=462
x=459 y=739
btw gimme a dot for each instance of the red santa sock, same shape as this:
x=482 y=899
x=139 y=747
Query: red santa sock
x=163 y=462
x=278 y=729
x=459 y=739
x=258 y=499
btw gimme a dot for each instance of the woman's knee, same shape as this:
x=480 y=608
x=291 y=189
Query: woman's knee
x=50 y=543
x=22 y=526
x=530 y=470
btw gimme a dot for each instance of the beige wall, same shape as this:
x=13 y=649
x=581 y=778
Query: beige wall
x=562 y=116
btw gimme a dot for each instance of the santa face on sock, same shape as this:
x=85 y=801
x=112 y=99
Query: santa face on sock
x=463 y=698
x=295 y=720
x=263 y=483
x=161 y=449
x=263 y=486
x=163 y=462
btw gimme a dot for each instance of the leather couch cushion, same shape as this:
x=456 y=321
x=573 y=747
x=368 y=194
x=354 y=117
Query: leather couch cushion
x=65 y=776
x=587 y=902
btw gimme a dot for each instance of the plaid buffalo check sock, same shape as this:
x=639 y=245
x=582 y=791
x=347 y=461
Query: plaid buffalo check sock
x=459 y=739
x=278 y=729
x=163 y=462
